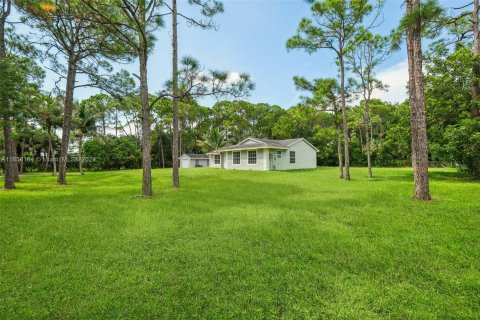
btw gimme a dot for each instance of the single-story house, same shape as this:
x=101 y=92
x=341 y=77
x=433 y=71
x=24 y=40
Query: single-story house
x=193 y=160
x=264 y=154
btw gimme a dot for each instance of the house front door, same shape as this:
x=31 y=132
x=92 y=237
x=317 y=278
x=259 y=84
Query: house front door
x=271 y=157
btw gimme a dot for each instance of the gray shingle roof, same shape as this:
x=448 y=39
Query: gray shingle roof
x=262 y=143
x=195 y=156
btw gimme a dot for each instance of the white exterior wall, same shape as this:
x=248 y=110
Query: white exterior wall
x=262 y=160
x=305 y=157
x=186 y=162
x=212 y=161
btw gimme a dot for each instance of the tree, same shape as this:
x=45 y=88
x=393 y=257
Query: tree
x=133 y=23
x=84 y=123
x=69 y=33
x=20 y=79
x=452 y=127
x=325 y=97
x=212 y=140
x=9 y=183
x=414 y=23
x=49 y=116
x=336 y=26
x=476 y=56
x=363 y=61
x=208 y=9
x=195 y=82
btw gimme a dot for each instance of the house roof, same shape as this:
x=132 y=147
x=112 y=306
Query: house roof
x=195 y=156
x=257 y=143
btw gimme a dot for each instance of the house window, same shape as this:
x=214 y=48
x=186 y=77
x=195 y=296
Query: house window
x=252 y=157
x=292 y=156
x=217 y=159
x=197 y=163
x=236 y=157
x=279 y=154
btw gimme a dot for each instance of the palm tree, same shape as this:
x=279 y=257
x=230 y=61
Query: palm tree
x=212 y=140
x=85 y=124
x=50 y=118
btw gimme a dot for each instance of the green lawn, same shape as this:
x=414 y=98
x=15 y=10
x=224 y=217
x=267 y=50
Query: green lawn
x=240 y=245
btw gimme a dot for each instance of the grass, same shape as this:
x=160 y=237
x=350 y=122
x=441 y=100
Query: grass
x=240 y=245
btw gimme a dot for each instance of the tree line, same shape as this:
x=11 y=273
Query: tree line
x=128 y=126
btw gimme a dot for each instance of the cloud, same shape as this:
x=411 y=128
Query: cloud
x=233 y=77
x=396 y=77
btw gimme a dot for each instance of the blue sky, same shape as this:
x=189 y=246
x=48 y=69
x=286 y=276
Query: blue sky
x=251 y=38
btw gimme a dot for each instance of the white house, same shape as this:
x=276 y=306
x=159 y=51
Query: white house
x=193 y=160
x=264 y=154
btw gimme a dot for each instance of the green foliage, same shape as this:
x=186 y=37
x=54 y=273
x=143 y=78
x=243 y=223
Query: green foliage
x=451 y=128
x=19 y=81
x=84 y=119
x=241 y=119
x=112 y=153
x=335 y=25
x=463 y=145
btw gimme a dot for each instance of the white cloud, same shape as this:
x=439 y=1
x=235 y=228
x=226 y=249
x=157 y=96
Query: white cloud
x=396 y=77
x=233 y=76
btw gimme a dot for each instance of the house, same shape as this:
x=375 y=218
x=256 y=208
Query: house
x=193 y=160
x=264 y=154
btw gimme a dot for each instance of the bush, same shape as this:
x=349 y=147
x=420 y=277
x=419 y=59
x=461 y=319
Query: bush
x=463 y=145
x=112 y=153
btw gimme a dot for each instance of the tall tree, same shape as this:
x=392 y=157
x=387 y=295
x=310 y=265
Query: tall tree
x=363 y=60
x=336 y=26
x=84 y=123
x=208 y=9
x=213 y=139
x=49 y=116
x=69 y=33
x=412 y=24
x=9 y=182
x=476 y=58
x=326 y=97
x=133 y=22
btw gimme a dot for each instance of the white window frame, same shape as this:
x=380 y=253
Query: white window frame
x=239 y=158
x=248 y=157
x=197 y=162
x=215 y=159
x=279 y=154
x=294 y=157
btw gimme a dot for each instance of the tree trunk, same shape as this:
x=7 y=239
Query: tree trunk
x=67 y=120
x=360 y=135
x=369 y=153
x=9 y=154
x=49 y=150
x=80 y=146
x=417 y=107
x=22 y=154
x=339 y=139
x=161 y=150
x=344 y=118
x=16 y=174
x=146 y=146
x=52 y=151
x=339 y=151
x=368 y=140
x=9 y=182
x=476 y=60
x=116 y=123
x=175 y=135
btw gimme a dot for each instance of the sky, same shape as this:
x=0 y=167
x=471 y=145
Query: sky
x=251 y=38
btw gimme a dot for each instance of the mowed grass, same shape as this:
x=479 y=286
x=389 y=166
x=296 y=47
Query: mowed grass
x=240 y=245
